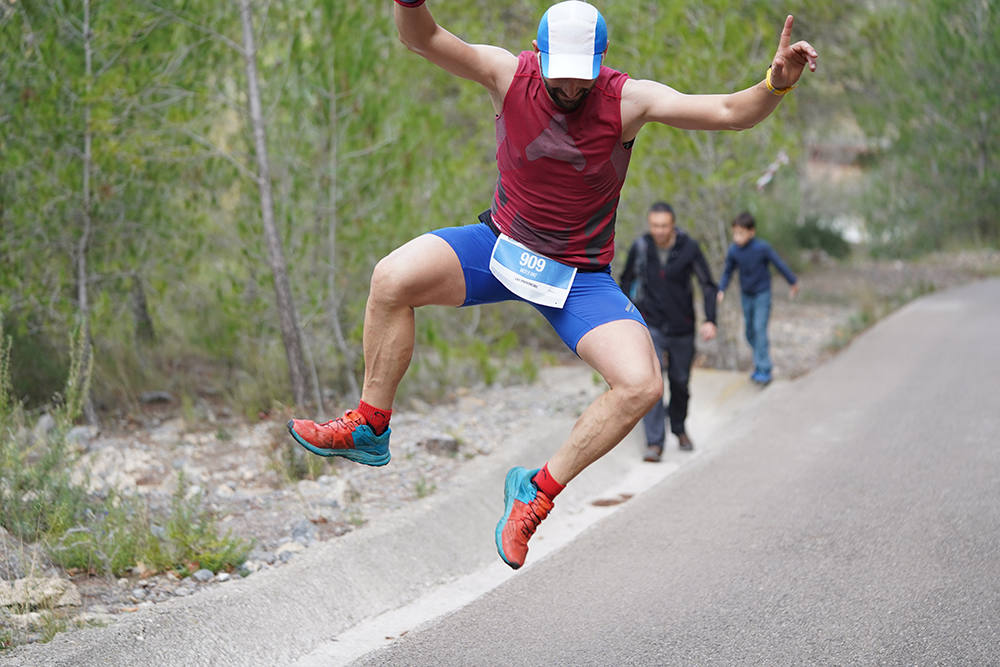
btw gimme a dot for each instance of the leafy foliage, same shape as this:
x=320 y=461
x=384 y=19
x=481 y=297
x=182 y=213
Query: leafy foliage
x=371 y=145
x=119 y=535
x=816 y=236
x=41 y=500
x=928 y=100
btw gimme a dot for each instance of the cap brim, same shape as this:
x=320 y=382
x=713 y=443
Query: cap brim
x=570 y=65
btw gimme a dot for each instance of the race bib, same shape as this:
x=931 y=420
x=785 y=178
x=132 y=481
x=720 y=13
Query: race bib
x=534 y=277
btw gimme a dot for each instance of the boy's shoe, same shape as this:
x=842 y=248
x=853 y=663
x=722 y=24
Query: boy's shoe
x=348 y=436
x=762 y=379
x=525 y=505
x=653 y=453
x=684 y=442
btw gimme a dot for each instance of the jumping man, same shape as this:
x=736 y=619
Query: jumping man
x=565 y=125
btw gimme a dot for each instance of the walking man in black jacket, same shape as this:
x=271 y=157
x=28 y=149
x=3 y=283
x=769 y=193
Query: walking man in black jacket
x=657 y=277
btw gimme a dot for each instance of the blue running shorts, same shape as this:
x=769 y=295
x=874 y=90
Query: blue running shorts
x=594 y=299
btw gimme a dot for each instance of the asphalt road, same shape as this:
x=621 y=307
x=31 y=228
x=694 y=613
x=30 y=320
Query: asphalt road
x=853 y=518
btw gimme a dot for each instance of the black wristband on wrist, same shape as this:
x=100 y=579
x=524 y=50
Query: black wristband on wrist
x=417 y=3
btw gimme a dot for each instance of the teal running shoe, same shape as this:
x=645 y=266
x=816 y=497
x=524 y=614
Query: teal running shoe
x=348 y=436
x=525 y=505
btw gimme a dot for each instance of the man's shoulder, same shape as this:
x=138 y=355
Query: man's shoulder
x=684 y=245
x=685 y=239
x=527 y=63
x=609 y=72
x=610 y=82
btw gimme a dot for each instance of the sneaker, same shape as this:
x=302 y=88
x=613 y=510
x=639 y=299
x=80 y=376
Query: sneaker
x=348 y=436
x=653 y=453
x=524 y=508
x=763 y=379
x=684 y=442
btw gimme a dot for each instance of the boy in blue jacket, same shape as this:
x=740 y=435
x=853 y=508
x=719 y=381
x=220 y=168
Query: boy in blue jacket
x=752 y=256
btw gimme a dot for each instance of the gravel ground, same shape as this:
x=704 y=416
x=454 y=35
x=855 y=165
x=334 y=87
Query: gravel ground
x=241 y=469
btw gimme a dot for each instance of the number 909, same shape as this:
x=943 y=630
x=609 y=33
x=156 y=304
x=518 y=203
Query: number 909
x=532 y=262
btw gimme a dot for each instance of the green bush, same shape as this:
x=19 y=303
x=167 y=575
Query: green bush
x=122 y=534
x=813 y=235
x=37 y=368
x=40 y=501
x=192 y=537
x=37 y=498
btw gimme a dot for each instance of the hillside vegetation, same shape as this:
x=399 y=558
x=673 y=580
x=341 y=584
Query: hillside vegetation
x=151 y=200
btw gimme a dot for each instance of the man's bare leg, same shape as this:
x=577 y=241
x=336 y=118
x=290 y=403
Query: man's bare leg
x=423 y=272
x=622 y=352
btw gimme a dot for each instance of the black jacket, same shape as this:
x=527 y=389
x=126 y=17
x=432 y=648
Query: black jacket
x=668 y=302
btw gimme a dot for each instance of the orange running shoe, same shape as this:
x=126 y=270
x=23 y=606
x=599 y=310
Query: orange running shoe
x=525 y=505
x=348 y=436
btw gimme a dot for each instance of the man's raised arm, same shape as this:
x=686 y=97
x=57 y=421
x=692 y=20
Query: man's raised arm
x=490 y=66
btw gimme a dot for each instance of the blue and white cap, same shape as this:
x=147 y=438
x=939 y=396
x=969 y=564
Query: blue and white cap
x=572 y=39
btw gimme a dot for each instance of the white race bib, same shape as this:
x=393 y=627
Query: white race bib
x=535 y=277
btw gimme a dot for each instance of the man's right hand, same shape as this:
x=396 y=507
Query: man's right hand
x=791 y=59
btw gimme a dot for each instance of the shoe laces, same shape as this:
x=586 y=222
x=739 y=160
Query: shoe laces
x=348 y=421
x=538 y=509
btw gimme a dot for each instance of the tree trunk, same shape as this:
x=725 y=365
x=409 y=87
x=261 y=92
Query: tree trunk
x=144 y=331
x=291 y=333
x=83 y=302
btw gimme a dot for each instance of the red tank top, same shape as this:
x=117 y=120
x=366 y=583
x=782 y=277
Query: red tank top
x=560 y=172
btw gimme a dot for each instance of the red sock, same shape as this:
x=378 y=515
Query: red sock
x=546 y=483
x=377 y=418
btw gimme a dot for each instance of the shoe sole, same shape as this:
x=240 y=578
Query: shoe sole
x=356 y=455
x=509 y=491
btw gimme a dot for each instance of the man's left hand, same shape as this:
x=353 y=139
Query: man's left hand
x=791 y=59
x=708 y=330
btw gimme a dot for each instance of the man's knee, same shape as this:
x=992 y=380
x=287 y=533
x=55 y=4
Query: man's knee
x=640 y=392
x=648 y=391
x=421 y=272
x=390 y=283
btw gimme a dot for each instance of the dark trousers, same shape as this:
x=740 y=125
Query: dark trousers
x=676 y=353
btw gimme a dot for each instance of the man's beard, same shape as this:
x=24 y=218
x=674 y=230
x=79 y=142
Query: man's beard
x=573 y=105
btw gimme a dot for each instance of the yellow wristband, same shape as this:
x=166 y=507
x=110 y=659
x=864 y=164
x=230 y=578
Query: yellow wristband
x=770 y=86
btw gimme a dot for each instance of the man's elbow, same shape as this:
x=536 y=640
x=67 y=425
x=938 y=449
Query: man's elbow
x=406 y=40
x=735 y=118
x=742 y=124
x=416 y=43
x=412 y=36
